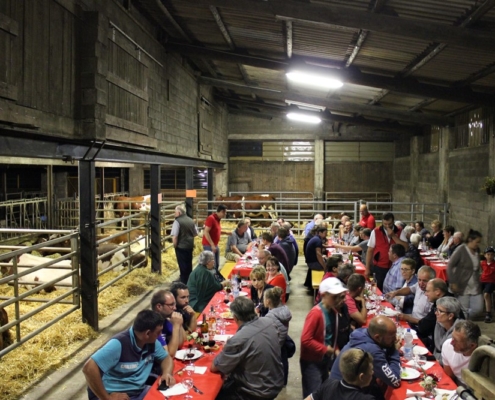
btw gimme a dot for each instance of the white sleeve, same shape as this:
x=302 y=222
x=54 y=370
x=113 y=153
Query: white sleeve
x=403 y=236
x=371 y=242
x=175 y=229
x=446 y=352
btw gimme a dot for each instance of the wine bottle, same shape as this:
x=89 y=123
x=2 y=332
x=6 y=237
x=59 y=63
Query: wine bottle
x=212 y=324
x=204 y=329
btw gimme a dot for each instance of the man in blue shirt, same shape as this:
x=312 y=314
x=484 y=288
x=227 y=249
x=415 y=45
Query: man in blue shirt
x=393 y=279
x=119 y=369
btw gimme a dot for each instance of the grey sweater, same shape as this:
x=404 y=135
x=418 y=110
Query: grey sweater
x=460 y=269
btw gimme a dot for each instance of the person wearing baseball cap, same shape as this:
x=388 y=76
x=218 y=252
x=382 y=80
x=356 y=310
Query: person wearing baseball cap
x=488 y=281
x=319 y=336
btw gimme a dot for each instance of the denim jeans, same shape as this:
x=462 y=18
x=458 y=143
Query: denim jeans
x=132 y=396
x=217 y=255
x=314 y=373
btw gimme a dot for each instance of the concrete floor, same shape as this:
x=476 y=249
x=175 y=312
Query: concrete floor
x=68 y=382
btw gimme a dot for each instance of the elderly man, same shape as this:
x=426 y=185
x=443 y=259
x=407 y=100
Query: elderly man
x=213 y=231
x=367 y=220
x=377 y=261
x=183 y=233
x=163 y=302
x=457 y=240
x=119 y=369
x=250 y=231
x=393 y=280
x=238 y=242
x=457 y=351
x=320 y=335
x=250 y=359
x=347 y=234
x=181 y=294
x=413 y=250
x=380 y=340
x=311 y=224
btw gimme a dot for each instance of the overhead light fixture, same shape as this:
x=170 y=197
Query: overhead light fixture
x=303 y=117
x=314 y=80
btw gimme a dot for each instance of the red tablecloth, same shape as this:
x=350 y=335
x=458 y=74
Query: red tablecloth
x=440 y=266
x=242 y=268
x=209 y=383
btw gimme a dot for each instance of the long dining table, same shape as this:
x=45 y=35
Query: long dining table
x=438 y=264
x=209 y=382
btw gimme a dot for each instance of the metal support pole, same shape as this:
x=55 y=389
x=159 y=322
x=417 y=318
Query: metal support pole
x=189 y=186
x=50 y=198
x=87 y=227
x=155 y=246
x=210 y=189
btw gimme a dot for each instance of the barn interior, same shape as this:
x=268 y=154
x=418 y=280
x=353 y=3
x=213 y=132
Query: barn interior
x=162 y=96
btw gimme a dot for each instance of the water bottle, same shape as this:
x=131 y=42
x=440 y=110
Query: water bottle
x=423 y=246
x=408 y=345
x=235 y=287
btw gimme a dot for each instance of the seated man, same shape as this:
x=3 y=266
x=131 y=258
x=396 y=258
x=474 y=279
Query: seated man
x=310 y=225
x=347 y=234
x=409 y=278
x=251 y=358
x=354 y=298
x=379 y=339
x=457 y=240
x=181 y=294
x=457 y=351
x=422 y=305
x=119 y=369
x=361 y=247
x=393 y=279
x=356 y=235
x=250 y=231
x=357 y=371
x=420 y=229
x=238 y=242
x=286 y=242
x=275 y=249
x=163 y=302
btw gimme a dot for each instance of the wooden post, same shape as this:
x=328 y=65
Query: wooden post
x=155 y=246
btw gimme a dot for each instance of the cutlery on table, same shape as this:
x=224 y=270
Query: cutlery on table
x=196 y=389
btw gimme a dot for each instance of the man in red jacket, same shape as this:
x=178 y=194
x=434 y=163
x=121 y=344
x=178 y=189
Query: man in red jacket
x=319 y=336
x=382 y=237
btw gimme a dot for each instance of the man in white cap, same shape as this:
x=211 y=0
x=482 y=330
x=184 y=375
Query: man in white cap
x=319 y=336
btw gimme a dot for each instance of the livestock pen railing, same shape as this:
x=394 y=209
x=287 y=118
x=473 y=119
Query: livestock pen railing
x=167 y=217
x=125 y=249
x=23 y=214
x=18 y=273
x=299 y=212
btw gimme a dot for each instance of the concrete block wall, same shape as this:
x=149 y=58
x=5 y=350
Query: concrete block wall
x=359 y=177
x=402 y=189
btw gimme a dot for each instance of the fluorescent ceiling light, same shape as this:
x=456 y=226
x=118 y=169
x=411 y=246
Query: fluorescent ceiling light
x=314 y=80
x=311 y=119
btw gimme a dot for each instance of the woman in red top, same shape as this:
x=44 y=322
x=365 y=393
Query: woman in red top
x=274 y=277
x=488 y=281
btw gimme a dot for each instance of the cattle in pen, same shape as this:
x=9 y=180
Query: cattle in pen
x=254 y=206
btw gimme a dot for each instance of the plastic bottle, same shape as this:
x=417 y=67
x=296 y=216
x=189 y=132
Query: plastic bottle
x=408 y=345
x=235 y=287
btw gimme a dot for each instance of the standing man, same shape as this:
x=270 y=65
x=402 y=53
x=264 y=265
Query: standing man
x=367 y=220
x=163 y=302
x=181 y=294
x=238 y=242
x=319 y=336
x=251 y=358
x=183 y=233
x=377 y=261
x=119 y=369
x=212 y=232
x=314 y=254
x=310 y=225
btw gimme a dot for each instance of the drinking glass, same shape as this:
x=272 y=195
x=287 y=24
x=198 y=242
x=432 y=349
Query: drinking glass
x=221 y=326
x=189 y=368
x=188 y=384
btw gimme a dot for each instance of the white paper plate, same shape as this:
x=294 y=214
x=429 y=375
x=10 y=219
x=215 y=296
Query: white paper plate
x=389 y=312
x=418 y=350
x=175 y=390
x=243 y=294
x=181 y=354
x=408 y=374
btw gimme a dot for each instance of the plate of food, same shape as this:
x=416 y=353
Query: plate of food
x=418 y=350
x=188 y=354
x=409 y=374
x=227 y=315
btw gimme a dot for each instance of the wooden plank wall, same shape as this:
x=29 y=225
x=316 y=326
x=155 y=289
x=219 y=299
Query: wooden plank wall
x=271 y=176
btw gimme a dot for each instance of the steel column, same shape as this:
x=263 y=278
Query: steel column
x=87 y=227
x=155 y=246
x=189 y=186
x=50 y=198
x=210 y=187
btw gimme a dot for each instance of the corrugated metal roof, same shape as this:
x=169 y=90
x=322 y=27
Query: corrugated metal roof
x=432 y=10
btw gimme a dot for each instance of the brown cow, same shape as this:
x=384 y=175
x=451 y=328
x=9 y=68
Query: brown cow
x=125 y=206
x=253 y=206
x=5 y=338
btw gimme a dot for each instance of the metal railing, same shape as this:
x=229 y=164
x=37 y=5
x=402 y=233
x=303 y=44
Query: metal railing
x=23 y=214
x=408 y=212
x=9 y=263
x=280 y=195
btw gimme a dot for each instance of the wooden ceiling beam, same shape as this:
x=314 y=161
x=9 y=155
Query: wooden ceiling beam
x=339 y=15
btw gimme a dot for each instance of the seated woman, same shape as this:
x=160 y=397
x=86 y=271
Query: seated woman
x=407 y=270
x=274 y=276
x=436 y=237
x=447 y=312
x=281 y=315
x=448 y=237
x=356 y=367
x=202 y=283
x=258 y=288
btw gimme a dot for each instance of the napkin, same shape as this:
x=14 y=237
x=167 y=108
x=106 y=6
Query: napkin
x=425 y=366
x=222 y=338
x=175 y=390
x=200 y=370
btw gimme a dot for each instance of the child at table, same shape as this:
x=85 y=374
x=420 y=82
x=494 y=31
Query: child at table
x=488 y=281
